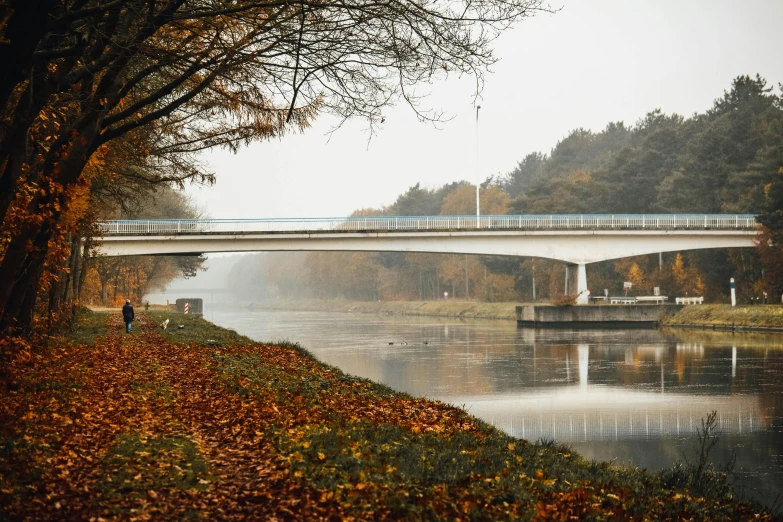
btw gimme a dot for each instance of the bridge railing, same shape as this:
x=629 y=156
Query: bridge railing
x=412 y=223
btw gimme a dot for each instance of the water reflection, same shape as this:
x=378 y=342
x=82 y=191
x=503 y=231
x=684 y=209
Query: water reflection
x=632 y=395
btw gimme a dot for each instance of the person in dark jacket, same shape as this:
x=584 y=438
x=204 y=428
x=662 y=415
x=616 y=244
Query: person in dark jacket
x=128 y=315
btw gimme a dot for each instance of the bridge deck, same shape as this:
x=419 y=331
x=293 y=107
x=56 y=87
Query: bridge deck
x=433 y=223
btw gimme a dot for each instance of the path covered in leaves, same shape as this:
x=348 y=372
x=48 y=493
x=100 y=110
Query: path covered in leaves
x=203 y=424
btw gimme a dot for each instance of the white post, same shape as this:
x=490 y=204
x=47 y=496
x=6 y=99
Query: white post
x=581 y=285
x=733 y=293
x=478 y=204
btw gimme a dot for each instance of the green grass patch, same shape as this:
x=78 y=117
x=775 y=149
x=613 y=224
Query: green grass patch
x=194 y=330
x=135 y=465
x=150 y=385
x=88 y=326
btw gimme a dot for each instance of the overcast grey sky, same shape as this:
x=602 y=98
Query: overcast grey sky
x=592 y=62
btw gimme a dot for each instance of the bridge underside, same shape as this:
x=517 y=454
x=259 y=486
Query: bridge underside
x=576 y=247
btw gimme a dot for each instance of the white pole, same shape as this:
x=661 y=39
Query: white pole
x=582 y=297
x=478 y=204
x=733 y=293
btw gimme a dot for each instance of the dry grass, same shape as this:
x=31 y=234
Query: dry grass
x=443 y=308
x=725 y=315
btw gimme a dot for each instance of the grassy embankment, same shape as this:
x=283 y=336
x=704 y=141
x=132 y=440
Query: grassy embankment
x=442 y=307
x=201 y=423
x=741 y=317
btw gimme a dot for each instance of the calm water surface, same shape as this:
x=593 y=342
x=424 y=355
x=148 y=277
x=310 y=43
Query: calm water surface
x=636 y=396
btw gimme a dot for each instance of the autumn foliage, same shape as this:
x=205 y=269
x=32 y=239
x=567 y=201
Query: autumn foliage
x=204 y=423
x=115 y=95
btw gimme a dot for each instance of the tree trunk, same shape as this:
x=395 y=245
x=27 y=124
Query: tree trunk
x=55 y=297
x=76 y=270
x=15 y=270
x=104 y=291
x=23 y=262
x=85 y=265
x=67 y=287
x=19 y=312
x=467 y=287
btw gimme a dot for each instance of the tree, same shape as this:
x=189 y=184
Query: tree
x=523 y=175
x=637 y=278
x=462 y=201
x=688 y=280
x=194 y=75
x=770 y=238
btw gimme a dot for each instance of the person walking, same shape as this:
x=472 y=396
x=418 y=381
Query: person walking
x=128 y=315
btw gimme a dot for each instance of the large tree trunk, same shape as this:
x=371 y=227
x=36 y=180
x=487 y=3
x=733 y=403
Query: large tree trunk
x=84 y=267
x=66 y=286
x=22 y=265
x=15 y=266
x=105 y=291
x=55 y=297
x=19 y=312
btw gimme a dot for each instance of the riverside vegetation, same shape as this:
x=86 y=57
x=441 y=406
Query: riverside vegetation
x=758 y=316
x=202 y=423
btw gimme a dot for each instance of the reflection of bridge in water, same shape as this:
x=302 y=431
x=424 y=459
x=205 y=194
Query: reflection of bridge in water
x=603 y=413
x=595 y=412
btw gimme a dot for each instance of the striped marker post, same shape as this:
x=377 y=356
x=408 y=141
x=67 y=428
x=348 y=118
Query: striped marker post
x=733 y=294
x=186 y=304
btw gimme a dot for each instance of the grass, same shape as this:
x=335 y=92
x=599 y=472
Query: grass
x=200 y=422
x=136 y=464
x=437 y=307
x=88 y=327
x=725 y=315
x=194 y=329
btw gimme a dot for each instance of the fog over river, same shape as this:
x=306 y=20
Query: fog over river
x=636 y=396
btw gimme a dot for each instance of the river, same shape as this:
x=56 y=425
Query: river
x=634 y=396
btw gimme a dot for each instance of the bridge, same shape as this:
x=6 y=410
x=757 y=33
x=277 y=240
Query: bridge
x=575 y=239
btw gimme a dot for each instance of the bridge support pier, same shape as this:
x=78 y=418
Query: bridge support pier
x=581 y=285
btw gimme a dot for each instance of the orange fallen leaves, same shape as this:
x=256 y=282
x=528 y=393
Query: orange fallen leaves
x=148 y=429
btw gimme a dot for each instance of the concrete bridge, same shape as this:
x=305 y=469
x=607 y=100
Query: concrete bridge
x=575 y=239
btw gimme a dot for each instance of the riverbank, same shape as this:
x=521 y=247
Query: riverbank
x=200 y=422
x=440 y=308
x=761 y=318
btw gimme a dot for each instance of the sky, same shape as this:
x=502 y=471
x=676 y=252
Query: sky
x=589 y=63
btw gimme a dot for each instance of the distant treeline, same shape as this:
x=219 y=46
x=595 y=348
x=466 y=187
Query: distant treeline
x=727 y=160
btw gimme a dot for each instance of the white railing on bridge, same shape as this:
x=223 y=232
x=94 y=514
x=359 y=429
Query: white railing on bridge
x=414 y=223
